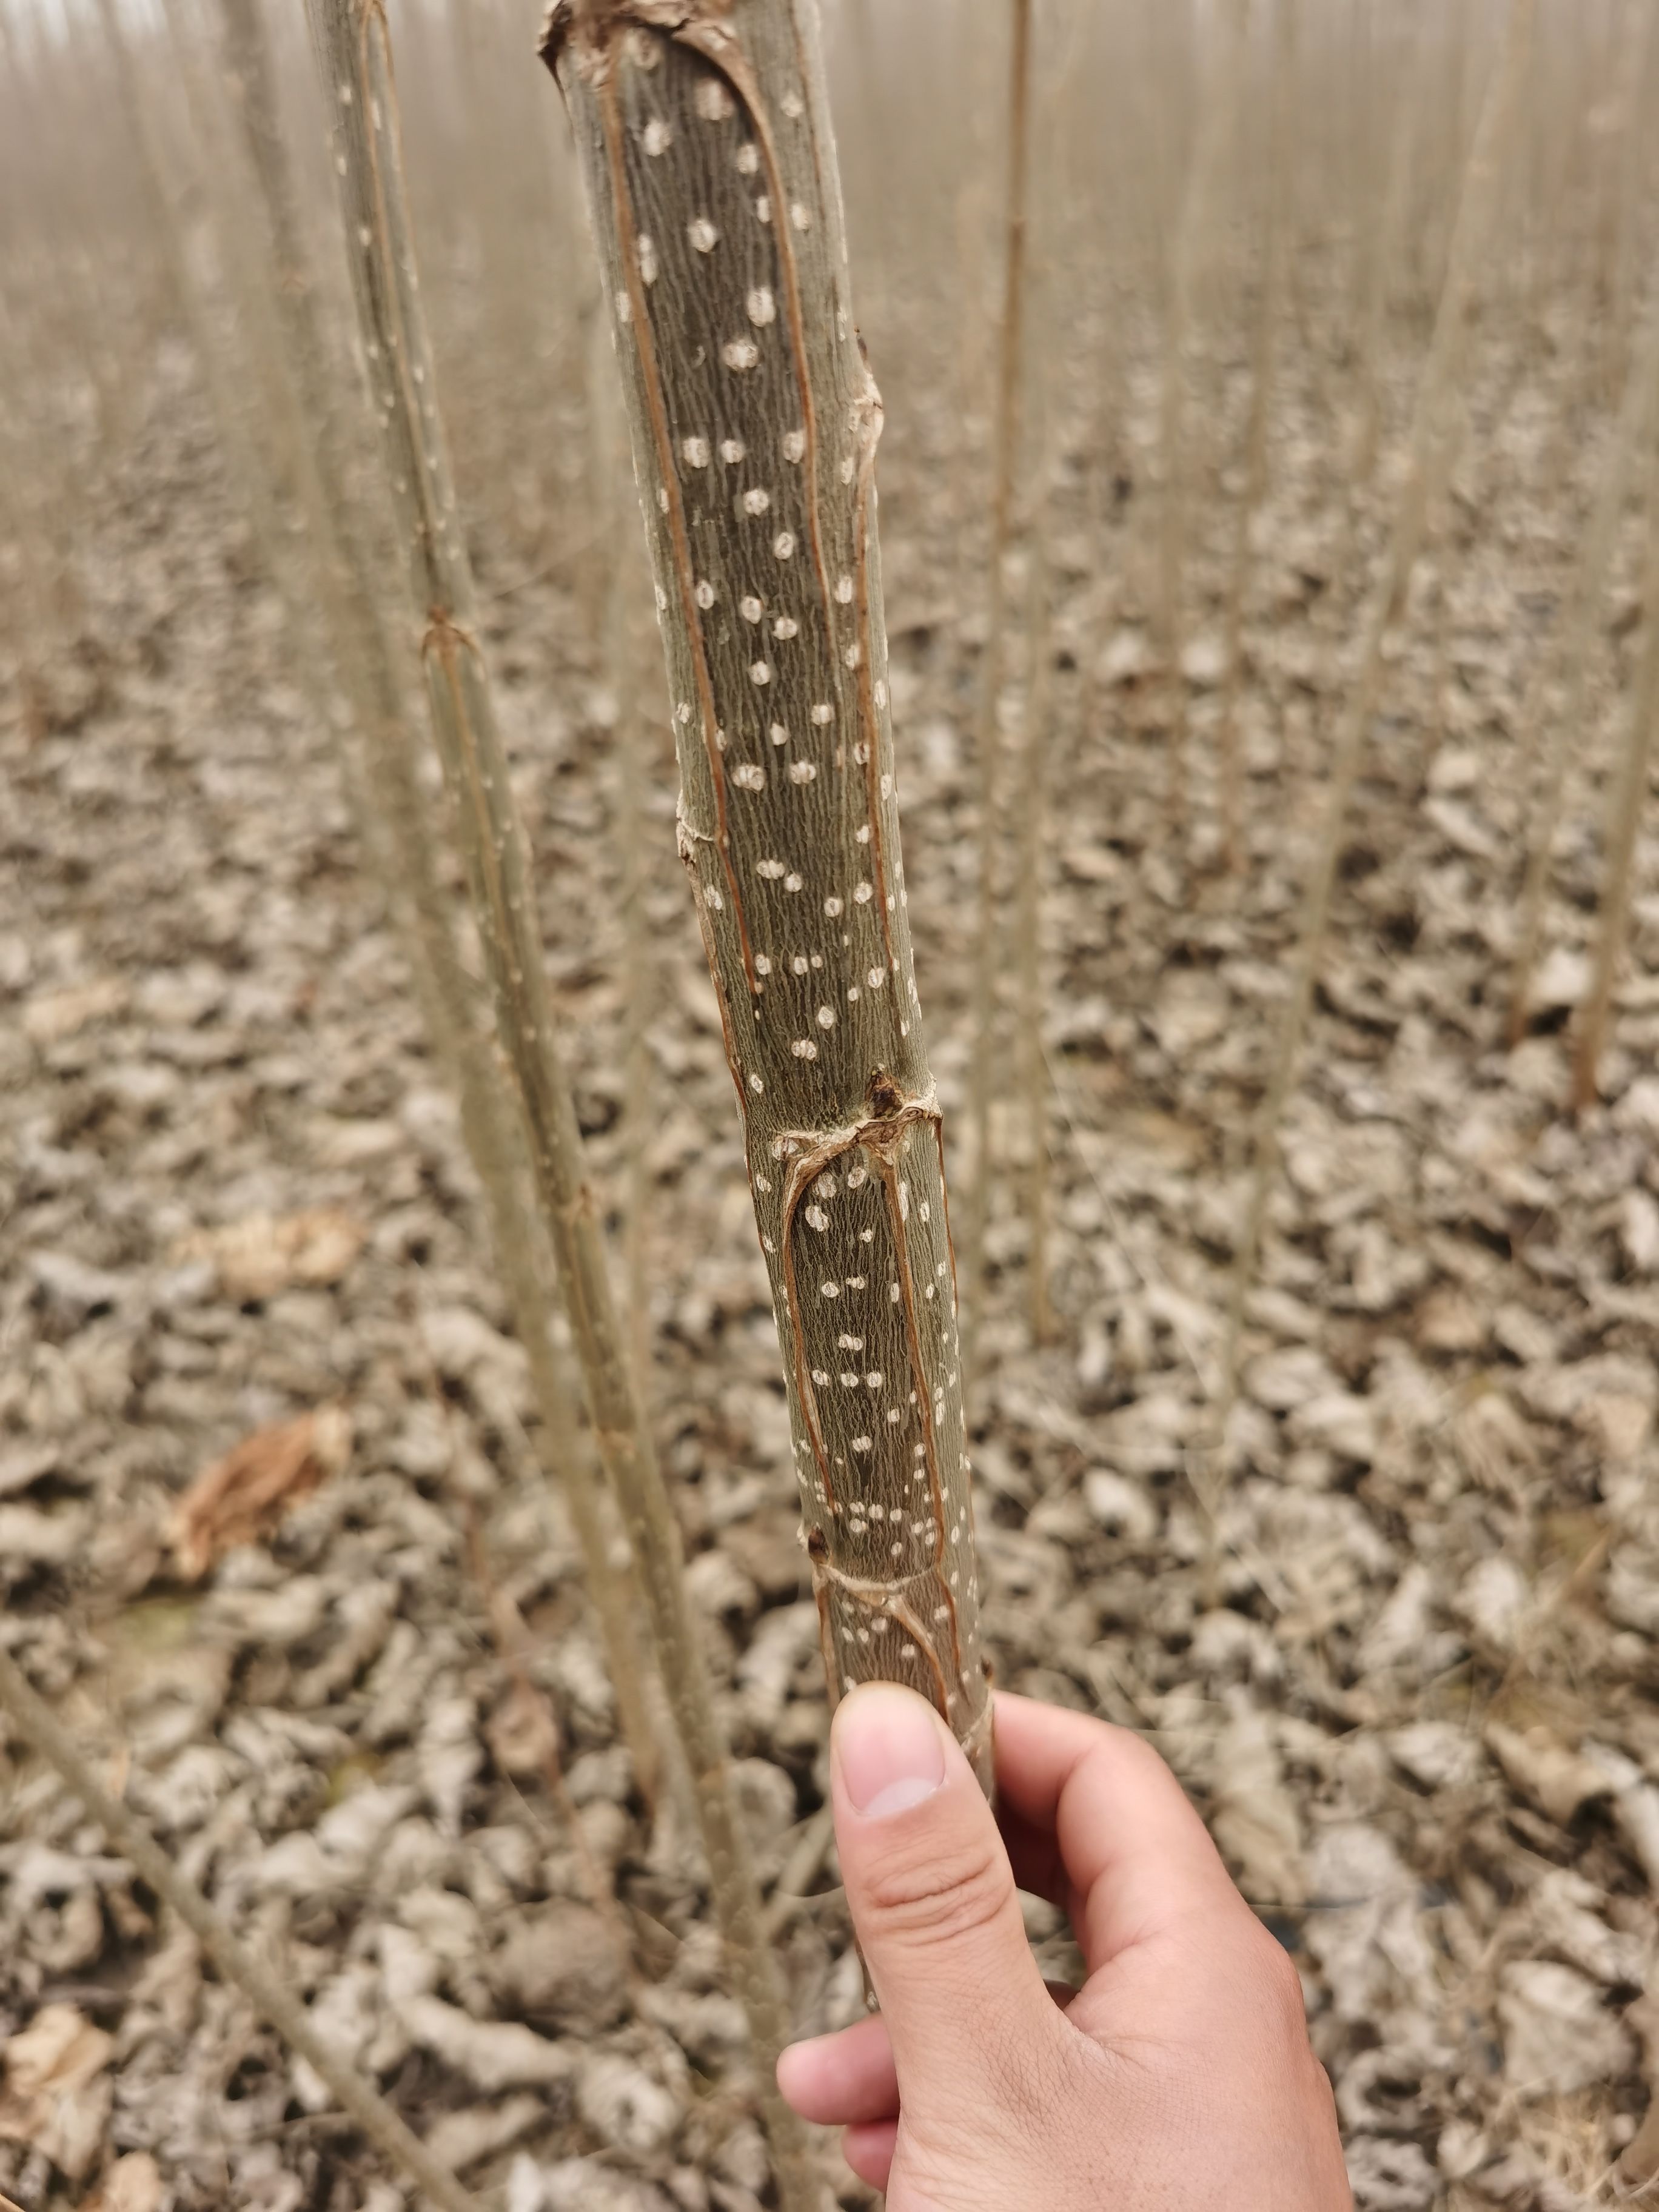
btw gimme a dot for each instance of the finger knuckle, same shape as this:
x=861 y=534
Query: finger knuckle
x=1281 y=1995
x=935 y=1895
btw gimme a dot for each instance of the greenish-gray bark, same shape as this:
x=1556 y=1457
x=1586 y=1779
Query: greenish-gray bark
x=710 y=167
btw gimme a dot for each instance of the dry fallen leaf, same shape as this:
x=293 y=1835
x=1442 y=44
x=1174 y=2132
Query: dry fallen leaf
x=133 y=2184
x=243 y=1496
x=1640 y=2163
x=58 y=2097
x=52 y=1016
x=1254 y=1819
x=522 y=1732
x=257 y=1257
x=1539 y=1763
x=1558 y=2036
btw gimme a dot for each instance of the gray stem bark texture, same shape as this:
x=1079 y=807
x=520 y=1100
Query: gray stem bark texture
x=705 y=146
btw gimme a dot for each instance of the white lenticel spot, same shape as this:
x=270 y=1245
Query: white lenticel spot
x=801 y=214
x=648 y=259
x=659 y=136
x=785 y=625
x=770 y=869
x=759 y=672
x=795 y=883
x=703 y=234
x=783 y=545
x=804 y=1049
x=756 y=1084
x=802 y=772
x=763 y=208
x=749 y=607
x=793 y=106
x=762 y=307
x=740 y=353
x=779 y=735
x=704 y=593
x=795 y=445
x=849 y=469
x=824 y=713
x=749 y=778
x=714 y=100
x=756 y=500
x=833 y=907
x=733 y=450
x=826 y=1017
x=662 y=498
x=863 y=893
x=876 y=978
x=763 y=963
x=844 y=590
x=712 y=897
x=696 y=451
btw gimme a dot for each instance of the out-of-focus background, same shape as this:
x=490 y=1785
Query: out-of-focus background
x=354 y=1682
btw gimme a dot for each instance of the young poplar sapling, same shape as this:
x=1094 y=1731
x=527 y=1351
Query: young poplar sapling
x=1010 y=351
x=355 y=61
x=705 y=141
x=340 y=595
x=1429 y=454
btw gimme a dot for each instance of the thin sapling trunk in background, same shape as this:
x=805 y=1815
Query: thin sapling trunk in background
x=1218 y=94
x=1557 y=732
x=242 y=1967
x=981 y=1079
x=1627 y=802
x=355 y=62
x=711 y=173
x=1269 y=312
x=339 y=594
x=1428 y=454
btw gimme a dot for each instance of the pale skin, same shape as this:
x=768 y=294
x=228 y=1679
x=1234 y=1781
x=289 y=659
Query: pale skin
x=1178 y=2078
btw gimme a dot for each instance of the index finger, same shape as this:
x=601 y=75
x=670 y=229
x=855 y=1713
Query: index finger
x=1095 y=1821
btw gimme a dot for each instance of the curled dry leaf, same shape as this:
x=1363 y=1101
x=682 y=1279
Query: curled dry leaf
x=133 y=2184
x=57 y=2096
x=263 y=1254
x=1538 y=1762
x=522 y=1732
x=243 y=1496
x=1559 y=2037
x=1255 y=1819
x=1640 y=2163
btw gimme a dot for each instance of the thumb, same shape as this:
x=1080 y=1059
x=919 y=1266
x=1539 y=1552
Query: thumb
x=932 y=1899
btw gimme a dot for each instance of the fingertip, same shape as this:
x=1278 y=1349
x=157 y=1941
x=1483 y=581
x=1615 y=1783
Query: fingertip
x=795 y=2075
x=842 y=2079
x=868 y=2148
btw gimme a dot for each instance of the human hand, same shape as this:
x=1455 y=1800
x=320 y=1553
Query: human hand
x=1178 y=2078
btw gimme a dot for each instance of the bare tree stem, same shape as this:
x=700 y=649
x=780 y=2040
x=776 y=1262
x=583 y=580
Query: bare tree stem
x=34 y=1719
x=1011 y=335
x=716 y=203
x=1428 y=453
x=355 y=61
